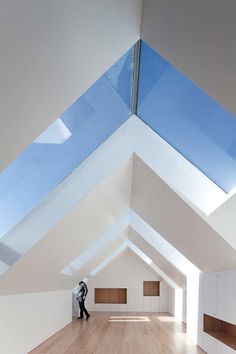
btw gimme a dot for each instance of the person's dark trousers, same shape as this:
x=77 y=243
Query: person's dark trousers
x=83 y=309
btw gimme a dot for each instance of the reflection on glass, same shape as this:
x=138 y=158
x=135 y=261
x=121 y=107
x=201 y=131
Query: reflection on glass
x=78 y=132
x=187 y=118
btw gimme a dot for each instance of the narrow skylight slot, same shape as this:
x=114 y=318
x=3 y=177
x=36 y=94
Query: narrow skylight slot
x=56 y=133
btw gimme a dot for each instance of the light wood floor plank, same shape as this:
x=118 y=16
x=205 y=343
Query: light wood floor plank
x=121 y=333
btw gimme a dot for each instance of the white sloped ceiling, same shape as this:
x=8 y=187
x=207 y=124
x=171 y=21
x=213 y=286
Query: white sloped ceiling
x=51 y=52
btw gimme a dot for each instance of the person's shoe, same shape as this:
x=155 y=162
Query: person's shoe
x=79 y=318
x=87 y=317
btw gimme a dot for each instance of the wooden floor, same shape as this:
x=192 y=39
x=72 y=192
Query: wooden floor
x=121 y=333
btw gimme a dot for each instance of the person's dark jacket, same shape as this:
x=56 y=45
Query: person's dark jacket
x=82 y=291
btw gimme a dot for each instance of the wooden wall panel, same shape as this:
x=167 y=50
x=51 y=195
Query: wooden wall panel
x=225 y=332
x=110 y=296
x=151 y=288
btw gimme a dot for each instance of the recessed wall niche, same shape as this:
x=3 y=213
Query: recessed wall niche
x=151 y=288
x=110 y=296
x=225 y=332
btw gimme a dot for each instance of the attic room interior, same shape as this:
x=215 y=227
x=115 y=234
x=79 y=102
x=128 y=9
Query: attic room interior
x=118 y=177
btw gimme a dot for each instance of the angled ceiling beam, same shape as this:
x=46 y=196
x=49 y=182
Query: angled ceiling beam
x=116 y=230
x=77 y=233
x=154 y=201
x=133 y=137
x=113 y=196
x=140 y=255
x=94 y=261
x=159 y=243
x=162 y=254
x=168 y=267
x=152 y=266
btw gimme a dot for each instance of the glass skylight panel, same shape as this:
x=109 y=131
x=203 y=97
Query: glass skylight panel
x=76 y=134
x=187 y=118
x=56 y=133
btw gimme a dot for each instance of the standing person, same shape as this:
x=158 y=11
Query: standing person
x=82 y=293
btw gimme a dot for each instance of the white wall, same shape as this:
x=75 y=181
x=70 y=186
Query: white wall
x=198 y=37
x=29 y=319
x=217 y=299
x=126 y=271
x=184 y=308
x=51 y=52
x=172 y=303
